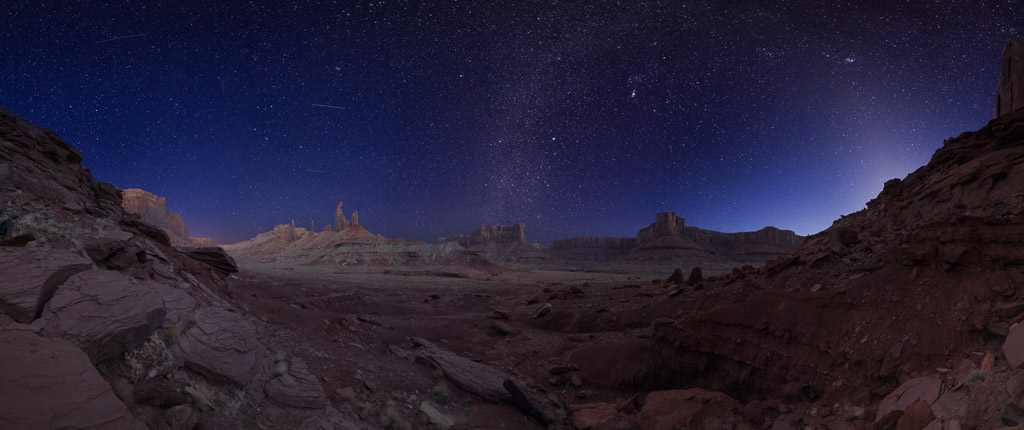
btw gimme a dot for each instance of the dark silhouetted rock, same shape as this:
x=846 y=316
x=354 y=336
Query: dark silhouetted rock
x=31 y=276
x=49 y=383
x=17 y=241
x=676 y=277
x=146 y=229
x=1010 y=93
x=159 y=392
x=696 y=277
x=215 y=257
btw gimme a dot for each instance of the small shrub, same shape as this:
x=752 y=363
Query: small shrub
x=172 y=335
x=347 y=394
x=440 y=392
x=201 y=396
x=281 y=368
x=233 y=406
x=392 y=419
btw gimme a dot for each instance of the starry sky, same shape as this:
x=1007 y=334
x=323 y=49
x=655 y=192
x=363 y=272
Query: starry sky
x=573 y=117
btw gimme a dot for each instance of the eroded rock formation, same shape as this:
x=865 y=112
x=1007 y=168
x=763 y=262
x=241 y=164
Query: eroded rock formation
x=96 y=287
x=340 y=223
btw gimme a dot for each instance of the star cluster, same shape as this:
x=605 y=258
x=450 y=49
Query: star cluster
x=573 y=117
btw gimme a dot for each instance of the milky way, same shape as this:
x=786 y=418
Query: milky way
x=575 y=118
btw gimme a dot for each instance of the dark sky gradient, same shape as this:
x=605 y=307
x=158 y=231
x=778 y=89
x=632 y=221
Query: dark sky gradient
x=575 y=118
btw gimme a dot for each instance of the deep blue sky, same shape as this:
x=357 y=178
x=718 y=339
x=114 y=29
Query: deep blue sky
x=582 y=117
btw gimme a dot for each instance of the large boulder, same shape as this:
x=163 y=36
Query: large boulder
x=594 y=416
x=104 y=313
x=31 y=276
x=926 y=388
x=215 y=257
x=674 y=409
x=1013 y=346
x=297 y=388
x=49 y=383
x=220 y=345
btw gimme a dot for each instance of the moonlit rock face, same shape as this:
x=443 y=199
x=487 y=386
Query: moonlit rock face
x=1010 y=94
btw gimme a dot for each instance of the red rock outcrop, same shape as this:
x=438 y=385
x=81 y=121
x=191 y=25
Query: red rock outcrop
x=297 y=388
x=353 y=246
x=31 y=276
x=50 y=383
x=38 y=163
x=924 y=276
x=153 y=209
x=131 y=312
x=340 y=223
x=95 y=286
x=221 y=345
x=1010 y=93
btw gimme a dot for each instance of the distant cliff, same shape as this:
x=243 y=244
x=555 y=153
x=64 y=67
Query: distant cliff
x=153 y=209
x=670 y=241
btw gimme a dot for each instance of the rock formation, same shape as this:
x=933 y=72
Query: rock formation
x=1010 y=93
x=340 y=223
x=929 y=273
x=351 y=246
x=153 y=209
x=97 y=288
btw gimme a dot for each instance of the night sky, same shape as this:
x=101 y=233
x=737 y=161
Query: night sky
x=575 y=118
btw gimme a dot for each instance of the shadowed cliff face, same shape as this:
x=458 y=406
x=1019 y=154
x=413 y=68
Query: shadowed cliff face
x=1010 y=93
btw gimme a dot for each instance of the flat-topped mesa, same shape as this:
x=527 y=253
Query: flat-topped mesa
x=499 y=234
x=1010 y=93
